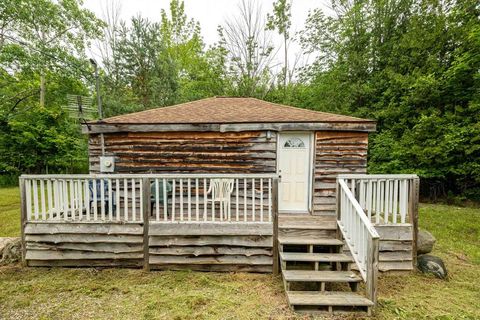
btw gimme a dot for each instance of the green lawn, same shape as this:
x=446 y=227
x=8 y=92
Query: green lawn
x=9 y=212
x=50 y=293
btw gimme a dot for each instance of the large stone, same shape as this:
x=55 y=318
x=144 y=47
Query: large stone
x=425 y=242
x=433 y=265
x=10 y=250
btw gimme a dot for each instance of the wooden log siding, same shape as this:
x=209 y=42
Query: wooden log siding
x=395 y=249
x=174 y=246
x=336 y=153
x=84 y=244
x=159 y=152
x=211 y=246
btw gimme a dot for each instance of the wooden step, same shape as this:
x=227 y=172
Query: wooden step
x=309 y=241
x=327 y=298
x=306 y=220
x=315 y=257
x=307 y=233
x=308 y=225
x=320 y=276
x=305 y=217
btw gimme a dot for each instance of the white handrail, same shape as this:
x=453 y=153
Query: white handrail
x=377 y=176
x=360 y=236
x=385 y=198
x=358 y=208
x=124 y=197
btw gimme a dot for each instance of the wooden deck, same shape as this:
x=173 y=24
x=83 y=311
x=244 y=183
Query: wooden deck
x=187 y=229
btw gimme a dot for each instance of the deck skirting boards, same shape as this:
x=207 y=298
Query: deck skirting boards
x=171 y=246
x=198 y=246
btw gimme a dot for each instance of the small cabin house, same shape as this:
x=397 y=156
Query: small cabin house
x=308 y=149
x=229 y=184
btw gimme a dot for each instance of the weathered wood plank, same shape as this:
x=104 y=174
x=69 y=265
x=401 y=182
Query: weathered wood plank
x=395 y=256
x=395 y=266
x=244 y=241
x=79 y=255
x=388 y=245
x=237 y=127
x=327 y=299
x=215 y=268
x=207 y=228
x=309 y=224
x=83 y=228
x=179 y=162
x=324 y=276
x=125 y=263
x=395 y=232
x=211 y=260
x=94 y=247
x=305 y=219
x=303 y=233
x=209 y=250
x=83 y=238
x=184 y=135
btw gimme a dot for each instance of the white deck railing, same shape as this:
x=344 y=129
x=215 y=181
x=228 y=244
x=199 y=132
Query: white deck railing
x=385 y=199
x=167 y=197
x=360 y=236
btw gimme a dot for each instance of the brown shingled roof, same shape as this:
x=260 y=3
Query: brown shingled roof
x=228 y=110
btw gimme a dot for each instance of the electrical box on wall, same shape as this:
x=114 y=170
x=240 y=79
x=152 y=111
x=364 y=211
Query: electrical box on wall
x=107 y=164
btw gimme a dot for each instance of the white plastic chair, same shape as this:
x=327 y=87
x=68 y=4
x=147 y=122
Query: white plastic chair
x=221 y=191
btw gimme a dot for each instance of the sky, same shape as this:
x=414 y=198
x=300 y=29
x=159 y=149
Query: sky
x=210 y=14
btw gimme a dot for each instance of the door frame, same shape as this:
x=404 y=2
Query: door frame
x=311 y=156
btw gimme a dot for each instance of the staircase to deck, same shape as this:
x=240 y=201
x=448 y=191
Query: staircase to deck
x=316 y=270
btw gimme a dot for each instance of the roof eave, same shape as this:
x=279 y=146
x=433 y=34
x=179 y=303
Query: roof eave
x=102 y=127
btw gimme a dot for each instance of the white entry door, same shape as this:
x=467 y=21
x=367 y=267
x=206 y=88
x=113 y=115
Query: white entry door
x=294 y=168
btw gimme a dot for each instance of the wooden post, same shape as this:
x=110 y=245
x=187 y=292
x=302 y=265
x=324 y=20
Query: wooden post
x=275 y=227
x=413 y=210
x=146 y=221
x=23 y=218
x=337 y=209
x=372 y=269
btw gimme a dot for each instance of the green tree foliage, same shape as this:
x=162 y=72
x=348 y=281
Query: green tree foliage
x=42 y=59
x=44 y=35
x=145 y=67
x=412 y=66
x=200 y=72
x=159 y=64
x=141 y=74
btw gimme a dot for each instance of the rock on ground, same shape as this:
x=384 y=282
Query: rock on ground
x=10 y=250
x=433 y=265
x=425 y=242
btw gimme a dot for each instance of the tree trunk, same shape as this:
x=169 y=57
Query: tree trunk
x=42 y=89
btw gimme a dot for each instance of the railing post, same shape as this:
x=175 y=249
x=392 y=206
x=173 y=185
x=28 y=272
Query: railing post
x=337 y=210
x=275 y=253
x=23 y=217
x=372 y=269
x=146 y=220
x=413 y=210
x=337 y=192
